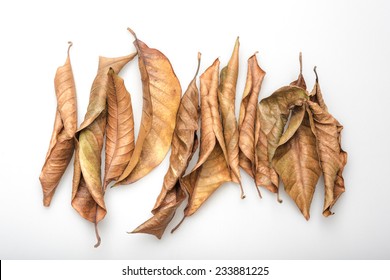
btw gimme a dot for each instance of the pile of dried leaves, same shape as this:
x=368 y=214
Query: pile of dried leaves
x=289 y=135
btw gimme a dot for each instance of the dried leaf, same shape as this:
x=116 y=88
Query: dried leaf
x=87 y=194
x=271 y=119
x=61 y=144
x=248 y=113
x=332 y=158
x=120 y=129
x=184 y=145
x=211 y=169
x=227 y=100
x=296 y=160
x=161 y=95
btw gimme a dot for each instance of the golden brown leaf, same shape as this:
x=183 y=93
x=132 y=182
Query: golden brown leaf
x=161 y=95
x=211 y=169
x=332 y=158
x=248 y=113
x=88 y=192
x=227 y=100
x=119 y=130
x=184 y=145
x=296 y=160
x=271 y=119
x=61 y=144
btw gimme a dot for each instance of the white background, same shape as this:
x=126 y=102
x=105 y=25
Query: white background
x=349 y=41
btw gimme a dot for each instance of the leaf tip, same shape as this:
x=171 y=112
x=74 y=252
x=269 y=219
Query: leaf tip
x=306 y=215
x=111 y=71
x=327 y=213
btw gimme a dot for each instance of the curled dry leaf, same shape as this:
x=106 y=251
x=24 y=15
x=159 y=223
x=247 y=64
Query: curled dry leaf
x=332 y=158
x=88 y=192
x=61 y=144
x=184 y=145
x=273 y=113
x=161 y=97
x=248 y=114
x=296 y=160
x=120 y=129
x=211 y=169
x=227 y=100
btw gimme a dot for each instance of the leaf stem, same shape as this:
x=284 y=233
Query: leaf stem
x=97 y=236
x=70 y=45
x=178 y=225
x=242 y=191
x=300 y=63
x=197 y=69
x=132 y=32
x=278 y=197
x=315 y=72
x=258 y=191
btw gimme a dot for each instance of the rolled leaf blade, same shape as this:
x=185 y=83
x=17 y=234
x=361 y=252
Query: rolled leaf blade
x=119 y=130
x=227 y=98
x=61 y=144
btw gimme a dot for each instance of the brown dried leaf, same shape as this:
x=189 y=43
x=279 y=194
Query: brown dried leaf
x=248 y=113
x=184 y=145
x=120 y=129
x=61 y=144
x=332 y=158
x=271 y=119
x=227 y=100
x=211 y=169
x=87 y=194
x=296 y=160
x=161 y=95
